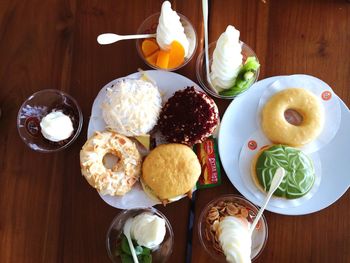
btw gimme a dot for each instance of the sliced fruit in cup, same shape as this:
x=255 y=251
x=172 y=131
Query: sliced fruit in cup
x=177 y=55
x=149 y=46
x=152 y=59
x=164 y=59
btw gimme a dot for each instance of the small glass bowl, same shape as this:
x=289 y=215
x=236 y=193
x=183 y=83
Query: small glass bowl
x=149 y=26
x=38 y=106
x=161 y=254
x=202 y=74
x=259 y=235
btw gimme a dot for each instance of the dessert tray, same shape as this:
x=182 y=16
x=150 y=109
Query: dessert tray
x=236 y=130
x=168 y=83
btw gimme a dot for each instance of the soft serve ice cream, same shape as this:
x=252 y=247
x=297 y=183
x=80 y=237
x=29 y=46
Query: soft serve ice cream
x=56 y=126
x=174 y=43
x=235 y=239
x=227 y=59
x=170 y=29
x=148 y=230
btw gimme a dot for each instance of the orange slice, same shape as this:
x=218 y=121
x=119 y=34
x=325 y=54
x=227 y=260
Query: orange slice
x=177 y=55
x=152 y=59
x=149 y=46
x=163 y=59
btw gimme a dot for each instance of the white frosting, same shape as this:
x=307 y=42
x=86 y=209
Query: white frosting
x=227 y=59
x=148 y=230
x=56 y=126
x=170 y=29
x=235 y=239
x=131 y=107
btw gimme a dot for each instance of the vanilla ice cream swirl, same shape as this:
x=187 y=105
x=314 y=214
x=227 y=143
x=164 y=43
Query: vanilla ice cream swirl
x=235 y=239
x=227 y=59
x=170 y=29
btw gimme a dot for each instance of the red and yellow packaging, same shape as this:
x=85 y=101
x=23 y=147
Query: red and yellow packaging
x=207 y=153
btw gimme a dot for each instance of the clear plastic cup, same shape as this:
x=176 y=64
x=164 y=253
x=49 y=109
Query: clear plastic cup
x=202 y=74
x=38 y=106
x=115 y=231
x=259 y=235
x=149 y=26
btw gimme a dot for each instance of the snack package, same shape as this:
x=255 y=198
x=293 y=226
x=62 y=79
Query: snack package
x=208 y=156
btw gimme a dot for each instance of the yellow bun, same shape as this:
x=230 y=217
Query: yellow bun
x=171 y=170
x=122 y=176
x=276 y=127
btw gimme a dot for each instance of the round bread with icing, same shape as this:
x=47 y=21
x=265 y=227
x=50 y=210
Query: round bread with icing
x=299 y=168
x=119 y=179
x=307 y=105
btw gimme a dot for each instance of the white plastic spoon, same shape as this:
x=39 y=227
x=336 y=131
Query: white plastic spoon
x=126 y=230
x=276 y=181
x=109 y=38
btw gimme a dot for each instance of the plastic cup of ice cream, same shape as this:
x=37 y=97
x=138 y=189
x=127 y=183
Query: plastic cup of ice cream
x=149 y=26
x=259 y=235
x=39 y=105
x=115 y=231
x=202 y=74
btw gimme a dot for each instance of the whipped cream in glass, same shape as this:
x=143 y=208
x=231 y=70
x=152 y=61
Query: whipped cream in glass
x=170 y=29
x=56 y=126
x=227 y=59
x=148 y=230
x=235 y=239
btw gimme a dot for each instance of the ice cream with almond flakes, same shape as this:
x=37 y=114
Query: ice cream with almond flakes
x=235 y=239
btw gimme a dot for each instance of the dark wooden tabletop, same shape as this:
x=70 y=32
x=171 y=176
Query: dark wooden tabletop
x=48 y=212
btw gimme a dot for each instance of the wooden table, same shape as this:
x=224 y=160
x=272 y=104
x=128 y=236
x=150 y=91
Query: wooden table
x=48 y=213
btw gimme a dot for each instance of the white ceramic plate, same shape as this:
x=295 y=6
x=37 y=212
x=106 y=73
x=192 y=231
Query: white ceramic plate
x=239 y=122
x=168 y=83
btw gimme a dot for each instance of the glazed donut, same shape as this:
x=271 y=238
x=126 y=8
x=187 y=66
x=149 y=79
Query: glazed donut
x=279 y=130
x=122 y=176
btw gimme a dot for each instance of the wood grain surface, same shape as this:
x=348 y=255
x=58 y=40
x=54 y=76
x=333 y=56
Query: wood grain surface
x=48 y=212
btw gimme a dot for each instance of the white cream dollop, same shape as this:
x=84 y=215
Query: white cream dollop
x=56 y=126
x=148 y=230
x=227 y=59
x=170 y=29
x=235 y=239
